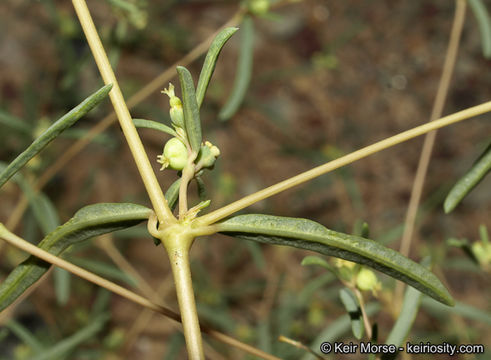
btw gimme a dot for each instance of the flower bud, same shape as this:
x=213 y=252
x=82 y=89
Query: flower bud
x=208 y=155
x=345 y=269
x=367 y=280
x=259 y=7
x=174 y=156
x=176 y=113
x=482 y=252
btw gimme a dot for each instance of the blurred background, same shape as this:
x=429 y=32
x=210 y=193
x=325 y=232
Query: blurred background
x=328 y=77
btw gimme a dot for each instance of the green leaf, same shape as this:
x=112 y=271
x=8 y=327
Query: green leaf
x=315 y=260
x=108 y=271
x=14 y=123
x=192 y=122
x=484 y=23
x=353 y=309
x=42 y=208
x=53 y=131
x=480 y=168
x=47 y=218
x=201 y=188
x=244 y=71
x=210 y=62
x=337 y=328
x=172 y=194
x=174 y=345
x=483 y=234
x=150 y=124
x=45 y=212
x=62 y=280
x=256 y=254
x=69 y=344
x=90 y=221
x=309 y=235
x=466 y=311
x=25 y=335
x=362 y=229
x=407 y=315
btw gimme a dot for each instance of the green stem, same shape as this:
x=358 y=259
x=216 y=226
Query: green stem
x=177 y=246
x=141 y=159
x=183 y=191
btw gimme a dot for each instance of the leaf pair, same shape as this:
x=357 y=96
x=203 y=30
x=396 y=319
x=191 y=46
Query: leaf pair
x=192 y=98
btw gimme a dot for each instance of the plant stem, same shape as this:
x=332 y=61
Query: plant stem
x=424 y=160
x=141 y=159
x=366 y=320
x=177 y=246
x=84 y=274
x=342 y=161
x=187 y=175
x=22 y=244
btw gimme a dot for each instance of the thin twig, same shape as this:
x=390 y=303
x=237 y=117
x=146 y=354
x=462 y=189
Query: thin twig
x=107 y=245
x=141 y=321
x=429 y=141
x=342 y=161
x=22 y=244
x=299 y=345
x=366 y=320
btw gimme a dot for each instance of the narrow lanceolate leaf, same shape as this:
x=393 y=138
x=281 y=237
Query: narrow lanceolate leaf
x=64 y=347
x=309 y=235
x=192 y=122
x=172 y=193
x=484 y=23
x=14 y=123
x=27 y=337
x=90 y=221
x=315 y=260
x=150 y=124
x=244 y=71
x=478 y=171
x=201 y=188
x=42 y=208
x=353 y=309
x=407 y=315
x=53 y=131
x=210 y=62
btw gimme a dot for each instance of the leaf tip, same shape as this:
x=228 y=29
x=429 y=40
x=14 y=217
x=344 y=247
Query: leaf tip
x=181 y=69
x=448 y=206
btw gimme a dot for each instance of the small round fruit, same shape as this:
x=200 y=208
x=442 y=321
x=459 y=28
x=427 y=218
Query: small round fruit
x=175 y=155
